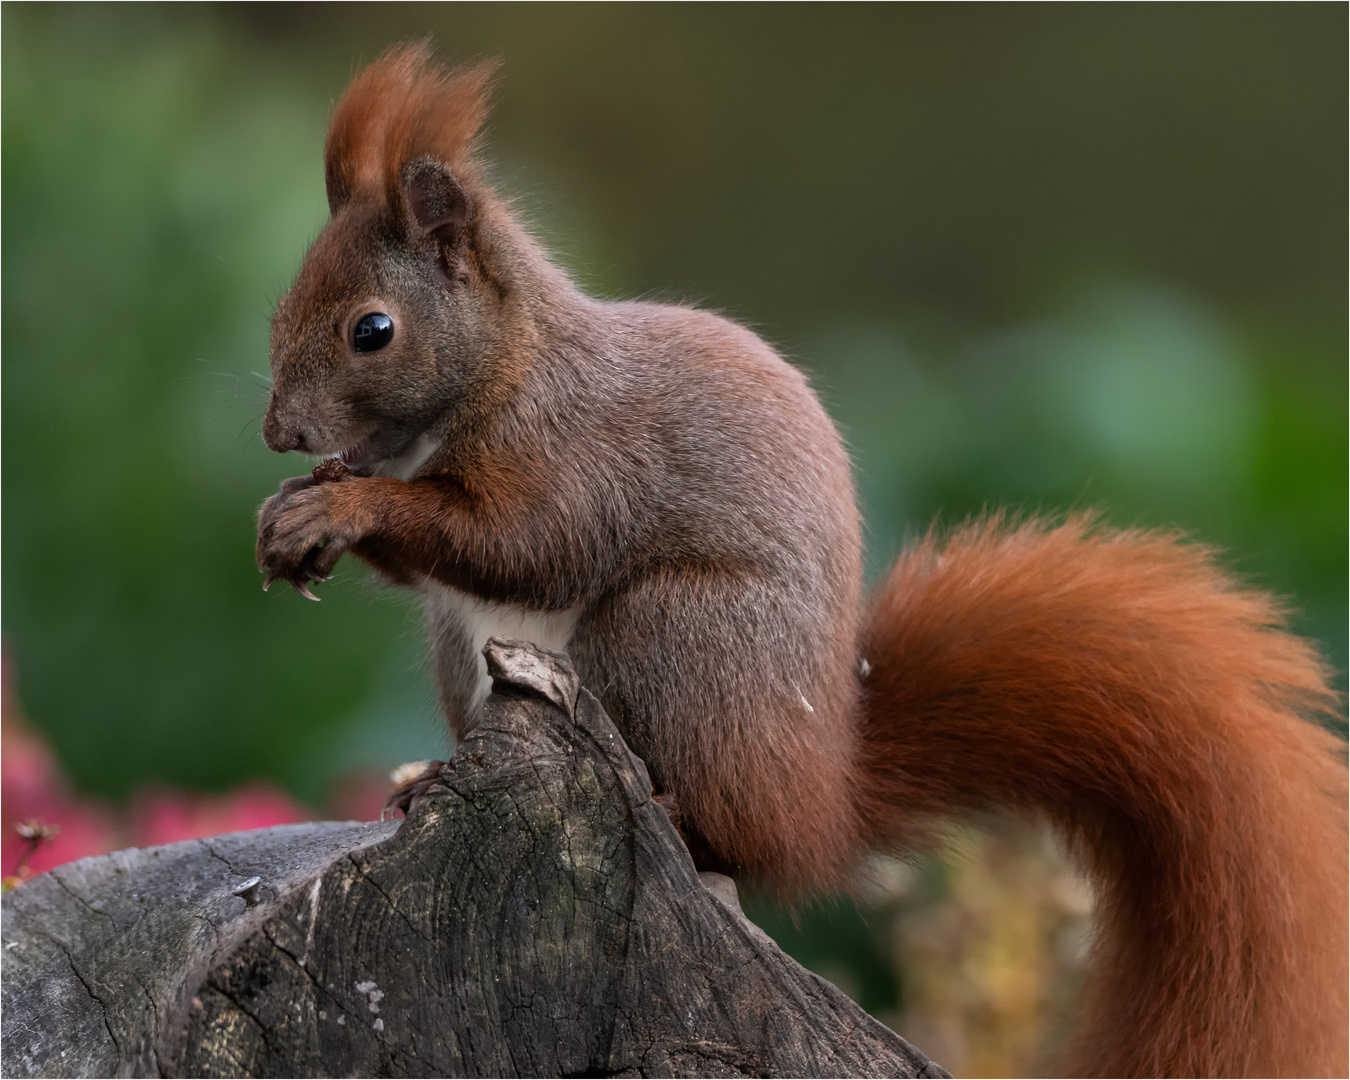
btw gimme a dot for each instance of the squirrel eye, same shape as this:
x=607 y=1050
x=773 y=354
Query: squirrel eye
x=373 y=332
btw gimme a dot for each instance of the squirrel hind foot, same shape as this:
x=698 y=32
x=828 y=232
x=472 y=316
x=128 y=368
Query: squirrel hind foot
x=411 y=781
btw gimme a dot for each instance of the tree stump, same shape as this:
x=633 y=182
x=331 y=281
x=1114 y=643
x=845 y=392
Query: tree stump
x=535 y=914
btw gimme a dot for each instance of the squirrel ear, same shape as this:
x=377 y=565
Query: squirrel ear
x=436 y=202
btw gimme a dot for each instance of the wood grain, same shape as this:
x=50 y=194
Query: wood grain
x=536 y=914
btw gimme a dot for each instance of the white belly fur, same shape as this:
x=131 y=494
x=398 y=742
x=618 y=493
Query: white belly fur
x=405 y=466
x=482 y=619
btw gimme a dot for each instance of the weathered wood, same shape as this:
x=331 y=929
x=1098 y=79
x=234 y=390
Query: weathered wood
x=536 y=914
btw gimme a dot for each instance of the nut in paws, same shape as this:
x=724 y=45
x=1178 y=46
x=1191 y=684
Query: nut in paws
x=300 y=539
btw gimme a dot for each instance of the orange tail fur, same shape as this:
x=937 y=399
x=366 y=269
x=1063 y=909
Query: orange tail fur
x=1122 y=686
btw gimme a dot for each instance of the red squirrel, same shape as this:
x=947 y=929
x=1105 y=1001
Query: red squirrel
x=655 y=490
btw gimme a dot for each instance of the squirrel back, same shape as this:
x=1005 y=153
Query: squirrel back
x=660 y=488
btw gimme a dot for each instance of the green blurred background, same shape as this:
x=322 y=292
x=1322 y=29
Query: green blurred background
x=1034 y=256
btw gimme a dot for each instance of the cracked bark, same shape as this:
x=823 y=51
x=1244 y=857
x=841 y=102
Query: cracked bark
x=535 y=914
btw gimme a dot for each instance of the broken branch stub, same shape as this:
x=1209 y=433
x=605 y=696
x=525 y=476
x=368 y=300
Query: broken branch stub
x=536 y=914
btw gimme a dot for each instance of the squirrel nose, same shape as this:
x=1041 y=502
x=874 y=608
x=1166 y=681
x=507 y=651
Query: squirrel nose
x=281 y=442
x=280 y=436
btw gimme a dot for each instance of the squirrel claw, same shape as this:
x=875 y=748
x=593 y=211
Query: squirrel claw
x=303 y=589
x=267 y=582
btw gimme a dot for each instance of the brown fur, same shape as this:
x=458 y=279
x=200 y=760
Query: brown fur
x=658 y=483
x=400 y=108
x=1121 y=685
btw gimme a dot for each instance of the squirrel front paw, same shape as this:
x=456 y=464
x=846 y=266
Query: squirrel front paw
x=302 y=532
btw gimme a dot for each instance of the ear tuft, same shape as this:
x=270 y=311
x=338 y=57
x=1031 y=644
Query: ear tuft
x=400 y=108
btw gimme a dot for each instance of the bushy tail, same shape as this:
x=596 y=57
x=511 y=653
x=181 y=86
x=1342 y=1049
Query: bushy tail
x=1121 y=685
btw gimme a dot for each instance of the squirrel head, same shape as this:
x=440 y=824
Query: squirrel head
x=395 y=310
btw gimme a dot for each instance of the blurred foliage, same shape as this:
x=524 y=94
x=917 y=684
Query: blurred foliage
x=992 y=939
x=1036 y=256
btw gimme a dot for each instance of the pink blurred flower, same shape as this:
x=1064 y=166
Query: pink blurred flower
x=33 y=788
x=165 y=817
x=44 y=823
